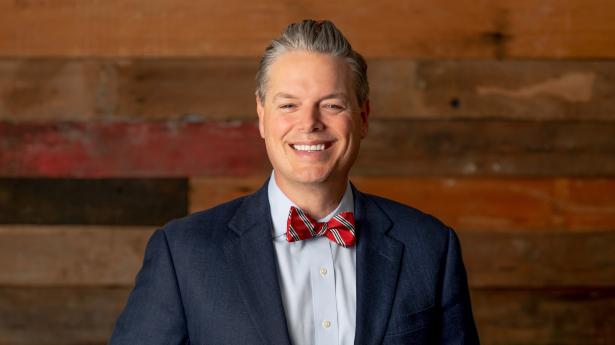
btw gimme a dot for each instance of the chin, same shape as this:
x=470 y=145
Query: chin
x=311 y=176
x=312 y=179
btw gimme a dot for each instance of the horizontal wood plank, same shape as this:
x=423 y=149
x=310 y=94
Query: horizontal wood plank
x=125 y=149
x=77 y=316
x=216 y=88
x=92 y=201
x=435 y=29
x=539 y=259
x=193 y=88
x=71 y=255
x=537 y=317
x=111 y=256
x=59 y=316
x=53 y=89
x=400 y=147
x=444 y=148
x=531 y=90
x=494 y=204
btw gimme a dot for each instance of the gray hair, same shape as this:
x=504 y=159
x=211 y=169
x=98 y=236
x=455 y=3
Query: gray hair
x=315 y=37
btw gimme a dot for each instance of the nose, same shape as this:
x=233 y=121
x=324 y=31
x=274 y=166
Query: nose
x=310 y=120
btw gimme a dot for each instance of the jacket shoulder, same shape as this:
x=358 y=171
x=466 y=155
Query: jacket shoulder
x=411 y=224
x=210 y=223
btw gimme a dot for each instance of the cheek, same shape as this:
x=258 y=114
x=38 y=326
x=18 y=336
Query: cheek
x=277 y=128
x=344 y=127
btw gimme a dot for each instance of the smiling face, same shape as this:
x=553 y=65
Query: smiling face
x=311 y=120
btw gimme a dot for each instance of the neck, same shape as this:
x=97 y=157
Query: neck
x=317 y=200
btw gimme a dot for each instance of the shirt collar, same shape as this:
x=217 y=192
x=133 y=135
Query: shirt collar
x=280 y=206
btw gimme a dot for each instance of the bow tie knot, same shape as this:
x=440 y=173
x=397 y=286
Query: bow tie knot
x=339 y=229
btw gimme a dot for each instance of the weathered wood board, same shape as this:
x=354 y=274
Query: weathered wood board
x=433 y=29
x=471 y=203
x=218 y=88
x=117 y=201
x=393 y=147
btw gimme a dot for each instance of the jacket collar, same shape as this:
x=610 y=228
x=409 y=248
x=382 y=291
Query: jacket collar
x=249 y=248
x=378 y=264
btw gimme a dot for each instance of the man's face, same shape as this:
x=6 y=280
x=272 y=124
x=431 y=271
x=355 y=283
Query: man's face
x=311 y=120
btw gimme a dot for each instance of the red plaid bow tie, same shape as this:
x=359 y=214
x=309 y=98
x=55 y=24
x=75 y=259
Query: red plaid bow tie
x=339 y=229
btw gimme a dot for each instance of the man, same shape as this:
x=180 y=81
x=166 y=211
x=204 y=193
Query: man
x=307 y=259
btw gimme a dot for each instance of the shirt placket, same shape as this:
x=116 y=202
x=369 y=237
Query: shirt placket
x=322 y=279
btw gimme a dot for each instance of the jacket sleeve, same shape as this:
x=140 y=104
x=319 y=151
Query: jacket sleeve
x=457 y=321
x=154 y=313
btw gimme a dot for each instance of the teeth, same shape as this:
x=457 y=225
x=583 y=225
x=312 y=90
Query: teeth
x=318 y=147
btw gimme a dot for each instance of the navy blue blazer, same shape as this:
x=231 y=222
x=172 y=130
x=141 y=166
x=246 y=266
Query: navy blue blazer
x=211 y=278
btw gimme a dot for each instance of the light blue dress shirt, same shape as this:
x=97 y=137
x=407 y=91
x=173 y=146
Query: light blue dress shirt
x=317 y=278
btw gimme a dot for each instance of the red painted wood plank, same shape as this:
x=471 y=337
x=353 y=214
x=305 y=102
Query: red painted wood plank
x=113 y=149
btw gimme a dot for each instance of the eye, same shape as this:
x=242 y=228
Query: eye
x=333 y=107
x=287 y=106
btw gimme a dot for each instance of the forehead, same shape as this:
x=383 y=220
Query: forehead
x=305 y=72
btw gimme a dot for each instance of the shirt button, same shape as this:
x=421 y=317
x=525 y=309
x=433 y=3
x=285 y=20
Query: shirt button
x=326 y=324
x=323 y=271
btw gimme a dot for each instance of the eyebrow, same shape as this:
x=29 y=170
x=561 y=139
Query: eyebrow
x=335 y=95
x=329 y=96
x=283 y=95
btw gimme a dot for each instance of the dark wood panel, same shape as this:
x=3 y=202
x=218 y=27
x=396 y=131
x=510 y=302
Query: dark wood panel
x=434 y=29
x=63 y=255
x=217 y=88
x=111 y=256
x=472 y=203
x=129 y=149
x=554 y=317
x=77 y=316
x=92 y=201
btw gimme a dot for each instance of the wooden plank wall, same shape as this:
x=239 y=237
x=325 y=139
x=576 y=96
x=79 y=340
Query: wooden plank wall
x=496 y=116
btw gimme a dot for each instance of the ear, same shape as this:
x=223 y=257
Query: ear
x=365 y=109
x=260 y=110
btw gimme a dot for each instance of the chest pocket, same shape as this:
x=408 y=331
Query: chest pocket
x=408 y=323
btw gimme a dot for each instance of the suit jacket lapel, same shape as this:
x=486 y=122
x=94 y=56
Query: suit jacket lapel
x=250 y=249
x=378 y=264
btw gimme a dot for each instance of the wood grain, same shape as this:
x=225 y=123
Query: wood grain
x=54 y=316
x=533 y=317
x=538 y=260
x=74 y=255
x=477 y=203
x=400 y=147
x=111 y=256
x=223 y=88
x=77 y=316
x=193 y=88
x=128 y=149
x=530 y=90
x=441 y=148
x=92 y=201
x=52 y=89
x=435 y=29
